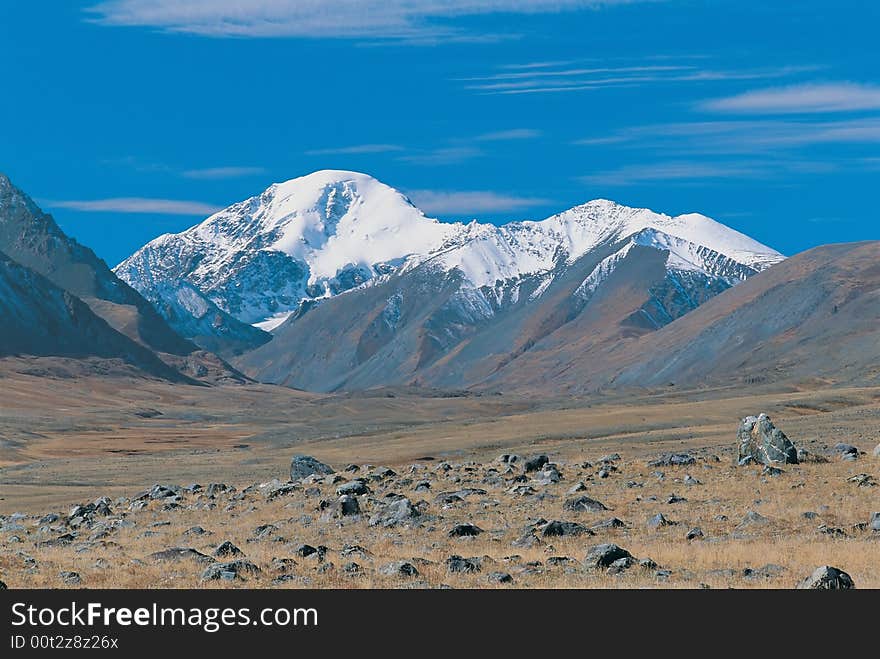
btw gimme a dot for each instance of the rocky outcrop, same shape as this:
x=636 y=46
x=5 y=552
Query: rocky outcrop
x=762 y=442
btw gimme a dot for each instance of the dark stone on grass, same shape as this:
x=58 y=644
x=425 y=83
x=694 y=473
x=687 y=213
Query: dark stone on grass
x=606 y=524
x=499 y=577
x=237 y=569
x=397 y=513
x=70 y=578
x=536 y=463
x=353 y=488
x=196 y=530
x=227 y=549
x=659 y=520
x=558 y=528
x=458 y=564
x=621 y=565
x=305 y=550
x=180 y=554
x=672 y=460
x=464 y=530
x=827 y=578
x=399 y=569
x=584 y=504
x=264 y=531
x=694 y=533
x=302 y=466
x=604 y=555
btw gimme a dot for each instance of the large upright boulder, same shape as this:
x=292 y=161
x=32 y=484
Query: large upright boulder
x=302 y=466
x=761 y=441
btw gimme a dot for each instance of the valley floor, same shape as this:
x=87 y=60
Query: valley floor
x=64 y=443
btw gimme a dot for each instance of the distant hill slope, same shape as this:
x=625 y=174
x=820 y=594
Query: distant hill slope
x=816 y=315
x=40 y=319
x=32 y=238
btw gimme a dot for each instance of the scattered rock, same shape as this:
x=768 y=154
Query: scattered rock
x=862 y=480
x=604 y=555
x=659 y=520
x=237 y=569
x=499 y=577
x=845 y=449
x=536 y=463
x=827 y=578
x=605 y=524
x=694 y=533
x=874 y=524
x=179 y=554
x=672 y=460
x=399 y=512
x=227 y=549
x=584 y=504
x=399 y=569
x=564 y=529
x=458 y=564
x=302 y=466
x=70 y=578
x=344 y=506
x=464 y=530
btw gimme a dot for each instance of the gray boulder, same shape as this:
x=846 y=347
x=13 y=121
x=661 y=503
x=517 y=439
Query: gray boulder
x=179 y=554
x=232 y=570
x=827 y=578
x=562 y=529
x=604 y=555
x=302 y=466
x=399 y=569
x=760 y=441
x=875 y=522
x=399 y=512
x=584 y=504
x=353 y=488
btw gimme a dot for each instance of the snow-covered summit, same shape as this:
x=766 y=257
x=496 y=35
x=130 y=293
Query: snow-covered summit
x=331 y=231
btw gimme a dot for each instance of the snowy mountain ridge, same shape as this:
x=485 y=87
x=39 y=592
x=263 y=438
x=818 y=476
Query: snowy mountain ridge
x=317 y=236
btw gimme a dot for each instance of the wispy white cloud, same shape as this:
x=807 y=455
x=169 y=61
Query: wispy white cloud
x=222 y=172
x=699 y=170
x=139 y=205
x=443 y=156
x=355 y=149
x=387 y=19
x=570 y=72
x=471 y=202
x=800 y=99
x=742 y=136
x=588 y=79
x=512 y=134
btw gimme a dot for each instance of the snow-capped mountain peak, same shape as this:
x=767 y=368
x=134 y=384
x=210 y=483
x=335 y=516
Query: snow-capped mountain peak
x=332 y=231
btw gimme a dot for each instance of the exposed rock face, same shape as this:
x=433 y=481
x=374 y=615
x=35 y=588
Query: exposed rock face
x=761 y=441
x=827 y=578
x=305 y=465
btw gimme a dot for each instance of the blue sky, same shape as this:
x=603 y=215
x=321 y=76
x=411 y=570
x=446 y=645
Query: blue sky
x=131 y=118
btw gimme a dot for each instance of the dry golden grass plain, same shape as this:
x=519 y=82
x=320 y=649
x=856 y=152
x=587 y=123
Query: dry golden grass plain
x=65 y=443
